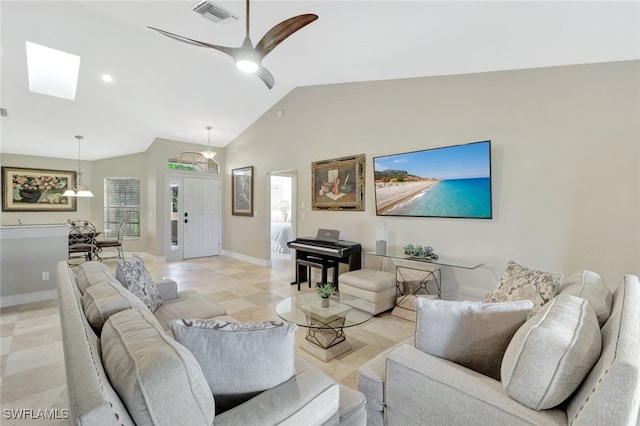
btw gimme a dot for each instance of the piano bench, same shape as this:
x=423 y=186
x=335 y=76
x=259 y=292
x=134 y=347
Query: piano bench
x=376 y=287
x=320 y=263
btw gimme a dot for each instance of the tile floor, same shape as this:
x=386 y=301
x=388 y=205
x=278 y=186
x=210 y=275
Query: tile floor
x=32 y=371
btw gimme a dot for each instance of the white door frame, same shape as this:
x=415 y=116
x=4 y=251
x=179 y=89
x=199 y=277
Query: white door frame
x=178 y=177
x=293 y=174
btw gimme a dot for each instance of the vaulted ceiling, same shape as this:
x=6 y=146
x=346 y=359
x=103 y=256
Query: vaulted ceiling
x=164 y=88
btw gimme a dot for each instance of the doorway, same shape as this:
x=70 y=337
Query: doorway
x=283 y=213
x=194 y=223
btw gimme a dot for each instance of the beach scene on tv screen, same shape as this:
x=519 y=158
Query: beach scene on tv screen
x=453 y=181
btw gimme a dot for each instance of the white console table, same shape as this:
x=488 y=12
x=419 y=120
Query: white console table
x=454 y=263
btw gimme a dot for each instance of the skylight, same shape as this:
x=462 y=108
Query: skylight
x=52 y=72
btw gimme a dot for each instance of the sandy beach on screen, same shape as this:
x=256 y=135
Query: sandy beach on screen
x=390 y=195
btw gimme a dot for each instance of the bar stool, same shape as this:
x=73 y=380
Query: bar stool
x=321 y=263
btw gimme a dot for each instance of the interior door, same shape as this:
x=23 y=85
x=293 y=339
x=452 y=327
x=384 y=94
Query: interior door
x=201 y=217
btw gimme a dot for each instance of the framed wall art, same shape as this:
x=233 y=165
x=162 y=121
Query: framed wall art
x=36 y=190
x=338 y=184
x=242 y=191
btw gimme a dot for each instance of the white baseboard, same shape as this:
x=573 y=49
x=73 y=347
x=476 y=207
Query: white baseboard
x=152 y=257
x=470 y=293
x=24 y=298
x=254 y=260
x=145 y=256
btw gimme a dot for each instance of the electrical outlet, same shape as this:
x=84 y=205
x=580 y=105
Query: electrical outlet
x=45 y=276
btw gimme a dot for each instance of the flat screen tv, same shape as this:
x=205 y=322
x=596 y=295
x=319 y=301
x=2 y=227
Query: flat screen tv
x=452 y=181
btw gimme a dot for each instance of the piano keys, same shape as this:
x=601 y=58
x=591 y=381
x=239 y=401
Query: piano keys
x=340 y=251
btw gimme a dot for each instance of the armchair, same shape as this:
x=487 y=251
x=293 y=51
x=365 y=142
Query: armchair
x=408 y=386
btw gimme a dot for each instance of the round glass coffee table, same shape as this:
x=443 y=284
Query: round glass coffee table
x=325 y=326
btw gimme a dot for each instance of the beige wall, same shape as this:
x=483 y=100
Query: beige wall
x=158 y=153
x=133 y=166
x=566 y=182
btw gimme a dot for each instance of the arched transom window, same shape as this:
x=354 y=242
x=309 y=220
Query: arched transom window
x=193 y=161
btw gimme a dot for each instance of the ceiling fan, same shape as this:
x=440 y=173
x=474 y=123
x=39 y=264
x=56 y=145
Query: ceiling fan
x=248 y=58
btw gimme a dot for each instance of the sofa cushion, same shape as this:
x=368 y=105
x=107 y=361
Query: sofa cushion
x=239 y=360
x=610 y=394
x=104 y=299
x=188 y=304
x=471 y=334
x=159 y=380
x=589 y=286
x=519 y=282
x=552 y=353
x=134 y=276
x=90 y=273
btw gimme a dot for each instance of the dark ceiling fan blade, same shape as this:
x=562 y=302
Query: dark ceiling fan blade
x=284 y=29
x=266 y=76
x=231 y=51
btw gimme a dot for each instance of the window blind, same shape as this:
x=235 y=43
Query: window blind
x=122 y=200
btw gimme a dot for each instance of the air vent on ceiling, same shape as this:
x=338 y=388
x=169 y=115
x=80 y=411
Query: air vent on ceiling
x=3 y=112
x=214 y=13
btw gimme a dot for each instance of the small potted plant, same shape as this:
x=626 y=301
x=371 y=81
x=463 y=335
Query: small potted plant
x=325 y=291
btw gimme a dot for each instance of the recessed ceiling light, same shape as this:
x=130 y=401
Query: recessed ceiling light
x=107 y=78
x=52 y=72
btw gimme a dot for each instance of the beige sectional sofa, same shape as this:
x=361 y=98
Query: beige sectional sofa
x=309 y=397
x=406 y=386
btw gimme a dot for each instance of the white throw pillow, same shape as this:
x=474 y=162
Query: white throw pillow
x=239 y=360
x=590 y=286
x=519 y=282
x=552 y=353
x=159 y=381
x=133 y=275
x=471 y=334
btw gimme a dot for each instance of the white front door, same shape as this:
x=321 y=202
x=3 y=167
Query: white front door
x=201 y=217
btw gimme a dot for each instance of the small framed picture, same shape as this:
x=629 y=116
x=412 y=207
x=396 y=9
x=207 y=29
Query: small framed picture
x=242 y=191
x=338 y=184
x=36 y=190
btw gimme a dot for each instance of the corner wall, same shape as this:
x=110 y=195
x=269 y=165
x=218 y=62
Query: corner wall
x=150 y=166
x=566 y=150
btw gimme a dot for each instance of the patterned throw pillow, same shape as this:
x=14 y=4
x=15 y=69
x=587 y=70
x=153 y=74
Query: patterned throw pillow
x=520 y=283
x=239 y=360
x=133 y=275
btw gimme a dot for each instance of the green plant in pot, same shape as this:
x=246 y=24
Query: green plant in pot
x=325 y=291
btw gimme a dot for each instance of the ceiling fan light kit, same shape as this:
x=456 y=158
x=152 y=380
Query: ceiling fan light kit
x=247 y=58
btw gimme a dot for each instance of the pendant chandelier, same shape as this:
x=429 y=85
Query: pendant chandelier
x=209 y=154
x=78 y=188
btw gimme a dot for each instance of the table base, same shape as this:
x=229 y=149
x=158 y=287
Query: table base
x=327 y=354
x=405 y=308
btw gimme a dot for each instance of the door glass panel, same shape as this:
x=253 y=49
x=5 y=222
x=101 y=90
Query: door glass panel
x=174 y=216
